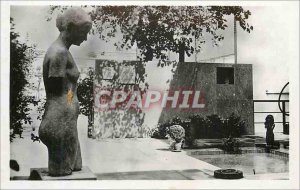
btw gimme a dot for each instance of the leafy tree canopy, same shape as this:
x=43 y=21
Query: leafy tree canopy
x=159 y=29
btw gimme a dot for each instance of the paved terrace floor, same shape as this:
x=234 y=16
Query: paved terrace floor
x=111 y=159
x=124 y=159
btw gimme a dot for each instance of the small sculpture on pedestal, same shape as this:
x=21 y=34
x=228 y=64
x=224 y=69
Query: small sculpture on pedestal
x=176 y=134
x=269 y=125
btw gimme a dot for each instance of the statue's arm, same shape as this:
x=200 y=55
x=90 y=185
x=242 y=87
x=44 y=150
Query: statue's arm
x=55 y=85
x=57 y=72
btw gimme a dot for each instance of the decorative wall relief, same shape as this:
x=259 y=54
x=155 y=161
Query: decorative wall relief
x=115 y=86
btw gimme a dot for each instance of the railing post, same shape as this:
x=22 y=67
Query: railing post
x=253 y=117
x=283 y=114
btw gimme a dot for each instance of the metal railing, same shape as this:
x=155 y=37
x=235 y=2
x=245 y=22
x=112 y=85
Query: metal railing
x=284 y=111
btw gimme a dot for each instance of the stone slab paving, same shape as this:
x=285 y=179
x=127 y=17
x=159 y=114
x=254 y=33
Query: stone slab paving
x=124 y=159
x=157 y=175
x=115 y=156
x=42 y=174
x=140 y=155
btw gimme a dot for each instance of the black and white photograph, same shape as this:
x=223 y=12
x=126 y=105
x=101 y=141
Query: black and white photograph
x=150 y=94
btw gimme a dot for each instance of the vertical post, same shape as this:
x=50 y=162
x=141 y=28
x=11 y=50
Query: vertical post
x=195 y=49
x=283 y=115
x=253 y=118
x=136 y=53
x=181 y=51
x=235 y=42
x=235 y=61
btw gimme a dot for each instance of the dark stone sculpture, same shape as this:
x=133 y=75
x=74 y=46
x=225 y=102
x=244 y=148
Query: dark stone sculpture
x=58 y=129
x=270 y=125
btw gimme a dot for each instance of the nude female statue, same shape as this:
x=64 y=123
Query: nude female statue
x=58 y=129
x=270 y=125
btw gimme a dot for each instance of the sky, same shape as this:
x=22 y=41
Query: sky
x=270 y=47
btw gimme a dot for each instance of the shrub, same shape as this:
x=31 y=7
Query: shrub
x=214 y=127
x=160 y=131
x=21 y=57
x=197 y=127
x=233 y=126
x=86 y=98
x=231 y=145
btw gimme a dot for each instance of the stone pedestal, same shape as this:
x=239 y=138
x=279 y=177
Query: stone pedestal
x=42 y=174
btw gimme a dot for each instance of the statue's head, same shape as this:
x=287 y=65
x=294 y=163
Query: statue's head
x=76 y=23
x=269 y=120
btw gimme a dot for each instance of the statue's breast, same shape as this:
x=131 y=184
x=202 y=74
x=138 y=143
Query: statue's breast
x=72 y=70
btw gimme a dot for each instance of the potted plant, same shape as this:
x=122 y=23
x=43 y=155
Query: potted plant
x=176 y=134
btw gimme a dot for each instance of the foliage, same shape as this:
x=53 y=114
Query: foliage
x=159 y=132
x=196 y=122
x=231 y=145
x=155 y=30
x=214 y=127
x=21 y=58
x=86 y=99
x=234 y=126
x=197 y=127
x=176 y=133
x=41 y=108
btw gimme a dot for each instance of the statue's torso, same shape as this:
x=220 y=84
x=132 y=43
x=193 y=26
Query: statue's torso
x=65 y=107
x=69 y=81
